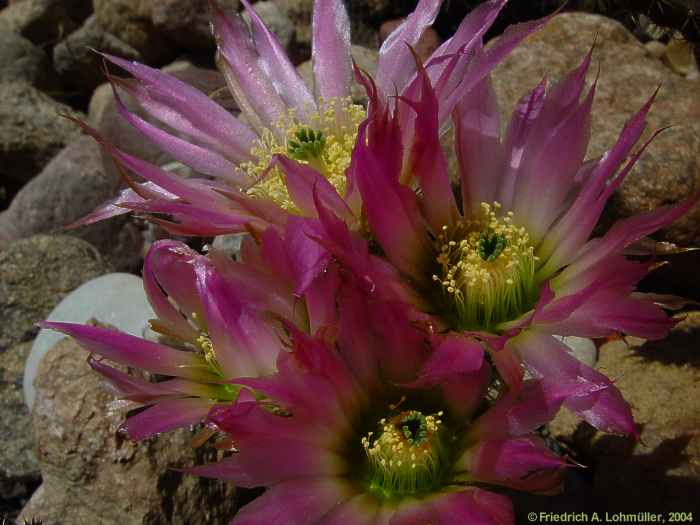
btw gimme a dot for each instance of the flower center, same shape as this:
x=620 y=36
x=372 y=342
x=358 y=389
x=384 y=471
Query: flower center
x=486 y=269
x=325 y=143
x=407 y=456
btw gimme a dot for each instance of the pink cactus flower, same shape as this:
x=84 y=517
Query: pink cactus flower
x=220 y=321
x=342 y=435
x=510 y=260
x=262 y=168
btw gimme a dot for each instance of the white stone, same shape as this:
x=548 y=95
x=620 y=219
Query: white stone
x=117 y=299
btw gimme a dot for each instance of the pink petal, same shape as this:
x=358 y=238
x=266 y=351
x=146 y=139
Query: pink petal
x=186 y=109
x=133 y=351
x=453 y=355
x=603 y=407
x=477 y=144
x=238 y=60
x=332 y=61
x=165 y=416
x=396 y=65
x=298 y=502
x=475 y=507
x=273 y=61
x=522 y=463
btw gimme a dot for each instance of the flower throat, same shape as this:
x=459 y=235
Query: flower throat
x=486 y=269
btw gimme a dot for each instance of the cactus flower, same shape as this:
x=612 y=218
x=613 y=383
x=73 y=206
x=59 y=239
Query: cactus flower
x=509 y=259
x=340 y=434
x=261 y=168
x=219 y=320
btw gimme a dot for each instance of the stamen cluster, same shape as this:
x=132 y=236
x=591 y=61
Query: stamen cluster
x=407 y=455
x=325 y=143
x=487 y=268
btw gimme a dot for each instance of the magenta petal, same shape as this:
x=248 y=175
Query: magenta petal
x=359 y=510
x=332 y=61
x=164 y=416
x=140 y=391
x=396 y=65
x=453 y=355
x=133 y=351
x=158 y=299
x=520 y=412
x=392 y=212
x=274 y=61
x=603 y=406
x=522 y=463
x=295 y=503
x=427 y=162
x=474 y=506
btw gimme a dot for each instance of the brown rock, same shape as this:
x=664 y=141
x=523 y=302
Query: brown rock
x=669 y=171
x=32 y=130
x=93 y=475
x=71 y=186
x=19 y=470
x=130 y=22
x=35 y=274
x=661 y=381
x=44 y=21
x=187 y=22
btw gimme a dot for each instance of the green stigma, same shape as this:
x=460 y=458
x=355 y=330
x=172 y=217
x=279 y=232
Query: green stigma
x=491 y=245
x=406 y=456
x=309 y=144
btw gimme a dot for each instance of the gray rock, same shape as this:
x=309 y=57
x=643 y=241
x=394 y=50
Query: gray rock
x=276 y=21
x=187 y=22
x=44 y=21
x=130 y=22
x=76 y=61
x=35 y=274
x=91 y=474
x=21 y=60
x=32 y=130
x=19 y=470
x=72 y=185
x=122 y=305
x=229 y=244
x=669 y=170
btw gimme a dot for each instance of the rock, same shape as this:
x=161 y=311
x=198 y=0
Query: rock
x=19 y=470
x=428 y=43
x=92 y=474
x=21 y=60
x=32 y=130
x=130 y=22
x=299 y=12
x=229 y=244
x=122 y=305
x=661 y=381
x=187 y=22
x=669 y=171
x=44 y=21
x=72 y=185
x=276 y=21
x=76 y=61
x=365 y=58
x=35 y=274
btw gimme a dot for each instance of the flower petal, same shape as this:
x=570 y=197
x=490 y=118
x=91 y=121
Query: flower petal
x=330 y=49
x=164 y=416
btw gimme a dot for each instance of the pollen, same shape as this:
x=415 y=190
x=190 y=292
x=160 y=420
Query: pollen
x=486 y=268
x=324 y=141
x=406 y=455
